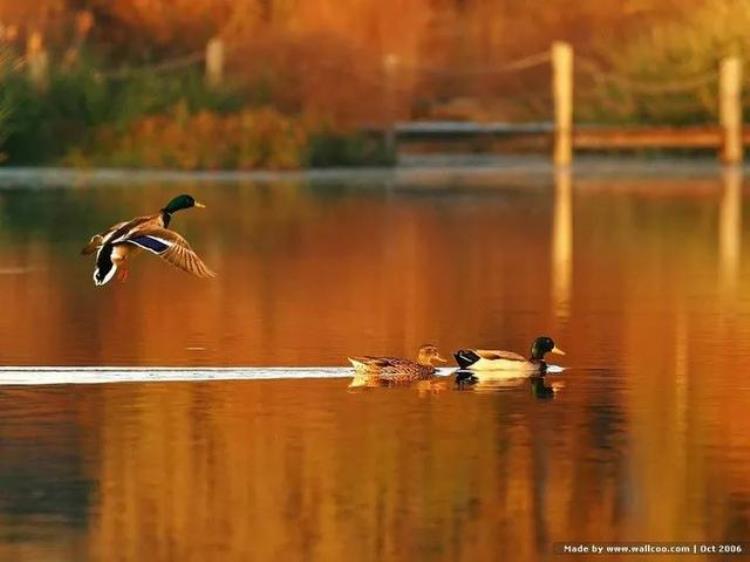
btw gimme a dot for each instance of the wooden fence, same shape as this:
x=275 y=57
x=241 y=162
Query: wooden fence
x=727 y=137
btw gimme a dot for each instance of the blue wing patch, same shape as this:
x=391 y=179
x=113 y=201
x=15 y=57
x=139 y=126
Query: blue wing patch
x=150 y=243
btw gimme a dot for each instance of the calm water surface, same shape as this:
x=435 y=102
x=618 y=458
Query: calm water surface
x=644 y=282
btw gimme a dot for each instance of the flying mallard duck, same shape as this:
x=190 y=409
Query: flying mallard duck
x=126 y=239
x=513 y=364
x=394 y=369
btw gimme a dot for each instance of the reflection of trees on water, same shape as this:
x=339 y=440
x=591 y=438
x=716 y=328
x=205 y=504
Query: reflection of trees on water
x=303 y=468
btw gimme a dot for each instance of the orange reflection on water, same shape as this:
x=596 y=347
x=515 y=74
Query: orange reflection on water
x=647 y=439
x=730 y=228
x=562 y=244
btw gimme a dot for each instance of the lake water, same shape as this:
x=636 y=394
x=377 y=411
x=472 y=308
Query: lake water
x=642 y=278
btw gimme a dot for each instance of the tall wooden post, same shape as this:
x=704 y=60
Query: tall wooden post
x=562 y=93
x=389 y=72
x=37 y=61
x=730 y=109
x=214 y=62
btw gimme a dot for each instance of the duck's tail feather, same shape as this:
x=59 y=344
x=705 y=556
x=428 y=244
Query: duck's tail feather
x=359 y=365
x=105 y=267
x=466 y=358
x=101 y=278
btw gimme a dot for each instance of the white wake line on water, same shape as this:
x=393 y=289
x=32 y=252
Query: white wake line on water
x=10 y=376
x=100 y=375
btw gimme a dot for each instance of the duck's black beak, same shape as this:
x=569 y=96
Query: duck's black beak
x=557 y=350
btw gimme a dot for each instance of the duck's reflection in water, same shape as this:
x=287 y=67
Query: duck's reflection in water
x=424 y=387
x=541 y=386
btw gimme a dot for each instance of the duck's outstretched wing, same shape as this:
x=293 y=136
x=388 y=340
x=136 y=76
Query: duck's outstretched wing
x=171 y=247
x=498 y=354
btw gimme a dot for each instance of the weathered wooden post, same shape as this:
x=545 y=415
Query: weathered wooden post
x=730 y=109
x=37 y=61
x=214 y=62
x=562 y=93
x=390 y=62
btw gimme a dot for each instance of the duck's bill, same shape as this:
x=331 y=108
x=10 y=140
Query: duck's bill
x=200 y=205
x=441 y=359
x=557 y=350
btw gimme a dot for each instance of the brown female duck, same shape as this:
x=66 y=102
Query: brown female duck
x=395 y=369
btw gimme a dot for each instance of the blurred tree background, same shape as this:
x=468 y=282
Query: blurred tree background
x=314 y=72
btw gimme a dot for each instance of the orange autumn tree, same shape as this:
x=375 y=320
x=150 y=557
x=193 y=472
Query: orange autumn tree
x=328 y=59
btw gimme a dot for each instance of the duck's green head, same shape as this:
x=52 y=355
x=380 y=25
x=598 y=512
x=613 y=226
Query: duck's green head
x=543 y=345
x=181 y=202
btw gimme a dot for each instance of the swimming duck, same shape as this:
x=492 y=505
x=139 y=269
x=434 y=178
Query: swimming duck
x=513 y=364
x=394 y=369
x=125 y=239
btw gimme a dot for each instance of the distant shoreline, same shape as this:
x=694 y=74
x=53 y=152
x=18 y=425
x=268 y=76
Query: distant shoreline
x=415 y=169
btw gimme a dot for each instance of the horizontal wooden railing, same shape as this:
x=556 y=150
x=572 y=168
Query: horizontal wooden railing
x=727 y=137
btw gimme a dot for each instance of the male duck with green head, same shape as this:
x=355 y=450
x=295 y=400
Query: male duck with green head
x=496 y=363
x=125 y=239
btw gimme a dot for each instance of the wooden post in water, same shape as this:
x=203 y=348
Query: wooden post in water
x=562 y=244
x=562 y=93
x=37 y=61
x=730 y=231
x=730 y=109
x=214 y=62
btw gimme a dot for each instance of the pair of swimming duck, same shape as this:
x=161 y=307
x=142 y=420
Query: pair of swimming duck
x=483 y=363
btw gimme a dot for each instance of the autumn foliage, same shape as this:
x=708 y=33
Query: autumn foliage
x=342 y=66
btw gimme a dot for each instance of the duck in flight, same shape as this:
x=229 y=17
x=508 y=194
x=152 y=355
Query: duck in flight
x=125 y=239
x=508 y=363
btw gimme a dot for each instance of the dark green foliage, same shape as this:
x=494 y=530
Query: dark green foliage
x=60 y=123
x=43 y=126
x=328 y=148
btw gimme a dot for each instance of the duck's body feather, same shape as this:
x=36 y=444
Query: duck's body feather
x=391 y=368
x=510 y=366
x=497 y=363
x=112 y=248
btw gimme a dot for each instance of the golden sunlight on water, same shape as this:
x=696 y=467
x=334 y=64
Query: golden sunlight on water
x=730 y=229
x=562 y=243
x=645 y=436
